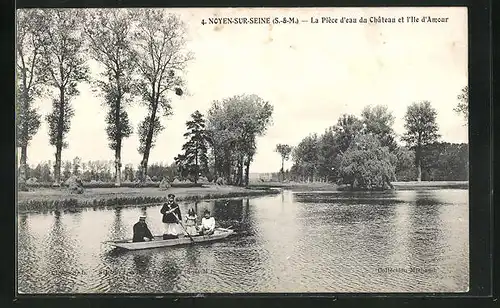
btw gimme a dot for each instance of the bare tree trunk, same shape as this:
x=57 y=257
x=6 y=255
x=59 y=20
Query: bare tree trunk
x=247 y=171
x=418 y=157
x=118 y=165
x=59 y=140
x=282 y=169
x=147 y=148
x=23 y=170
x=227 y=166
x=197 y=169
x=240 y=172
x=118 y=150
x=419 y=171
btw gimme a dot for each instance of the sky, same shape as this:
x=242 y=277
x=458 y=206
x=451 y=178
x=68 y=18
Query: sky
x=310 y=73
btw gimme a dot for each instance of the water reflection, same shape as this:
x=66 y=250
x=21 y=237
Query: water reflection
x=141 y=262
x=60 y=264
x=116 y=226
x=320 y=242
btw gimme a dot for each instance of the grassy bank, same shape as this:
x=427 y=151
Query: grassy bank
x=295 y=186
x=431 y=185
x=44 y=199
x=333 y=187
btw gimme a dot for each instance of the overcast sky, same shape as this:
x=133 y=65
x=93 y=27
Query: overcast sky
x=310 y=73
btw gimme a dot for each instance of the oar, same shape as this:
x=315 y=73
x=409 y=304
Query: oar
x=182 y=225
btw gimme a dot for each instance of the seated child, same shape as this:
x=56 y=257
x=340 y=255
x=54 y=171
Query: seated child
x=207 y=224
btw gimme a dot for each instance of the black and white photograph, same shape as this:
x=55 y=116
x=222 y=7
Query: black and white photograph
x=242 y=150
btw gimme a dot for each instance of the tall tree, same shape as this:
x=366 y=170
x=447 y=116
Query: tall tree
x=46 y=174
x=77 y=164
x=378 y=120
x=305 y=156
x=30 y=25
x=347 y=128
x=233 y=125
x=284 y=150
x=463 y=104
x=327 y=152
x=109 y=33
x=421 y=130
x=367 y=164
x=65 y=66
x=162 y=58
x=405 y=161
x=66 y=170
x=194 y=160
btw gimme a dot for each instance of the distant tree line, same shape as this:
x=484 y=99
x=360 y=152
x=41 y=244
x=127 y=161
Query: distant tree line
x=363 y=152
x=100 y=171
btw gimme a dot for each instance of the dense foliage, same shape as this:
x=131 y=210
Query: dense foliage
x=367 y=164
x=30 y=80
x=233 y=126
x=65 y=66
x=421 y=130
x=284 y=150
x=160 y=45
x=109 y=39
x=364 y=152
x=100 y=172
x=463 y=103
x=193 y=162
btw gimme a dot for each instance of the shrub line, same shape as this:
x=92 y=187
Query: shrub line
x=72 y=203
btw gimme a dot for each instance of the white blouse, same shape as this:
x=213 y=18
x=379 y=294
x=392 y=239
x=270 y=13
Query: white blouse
x=208 y=223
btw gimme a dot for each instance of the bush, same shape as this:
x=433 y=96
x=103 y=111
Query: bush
x=220 y=181
x=32 y=181
x=366 y=164
x=74 y=184
x=164 y=184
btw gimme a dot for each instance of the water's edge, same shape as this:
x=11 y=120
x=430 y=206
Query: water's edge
x=42 y=206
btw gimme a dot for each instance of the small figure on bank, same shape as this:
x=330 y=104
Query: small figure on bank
x=191 y=222
x=207 y=224
x=141 y=231
x=171 y=217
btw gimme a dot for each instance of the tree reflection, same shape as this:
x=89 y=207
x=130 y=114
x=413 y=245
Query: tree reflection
x=116 y=226
x=62 y=269
x=426 y=240
x=142 y=262
x=167 y=273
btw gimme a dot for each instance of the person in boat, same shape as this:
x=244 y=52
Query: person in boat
x=191 y=222
x=141 y=231
x=171 y=217
x=207 y=224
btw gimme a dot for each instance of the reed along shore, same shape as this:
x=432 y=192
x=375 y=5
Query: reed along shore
x=49 y=199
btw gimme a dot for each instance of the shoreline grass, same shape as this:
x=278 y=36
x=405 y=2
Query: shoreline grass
x=48 y=199
x=318 y=186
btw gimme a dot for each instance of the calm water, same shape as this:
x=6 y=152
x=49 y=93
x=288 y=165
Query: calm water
x=404 y=241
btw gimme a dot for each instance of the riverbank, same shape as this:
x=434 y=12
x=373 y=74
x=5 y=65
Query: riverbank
x=333 y=187
x=47 y=199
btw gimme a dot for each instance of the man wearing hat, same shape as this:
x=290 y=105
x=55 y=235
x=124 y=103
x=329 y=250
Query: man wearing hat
x=171 y=217
x=141 y=231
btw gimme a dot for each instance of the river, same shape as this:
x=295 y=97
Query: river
x=401 y=241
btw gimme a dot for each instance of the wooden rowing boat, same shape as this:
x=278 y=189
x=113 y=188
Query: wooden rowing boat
x=219 y=233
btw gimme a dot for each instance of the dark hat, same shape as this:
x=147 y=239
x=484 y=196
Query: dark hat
x=171 y=195
x=142 y=217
